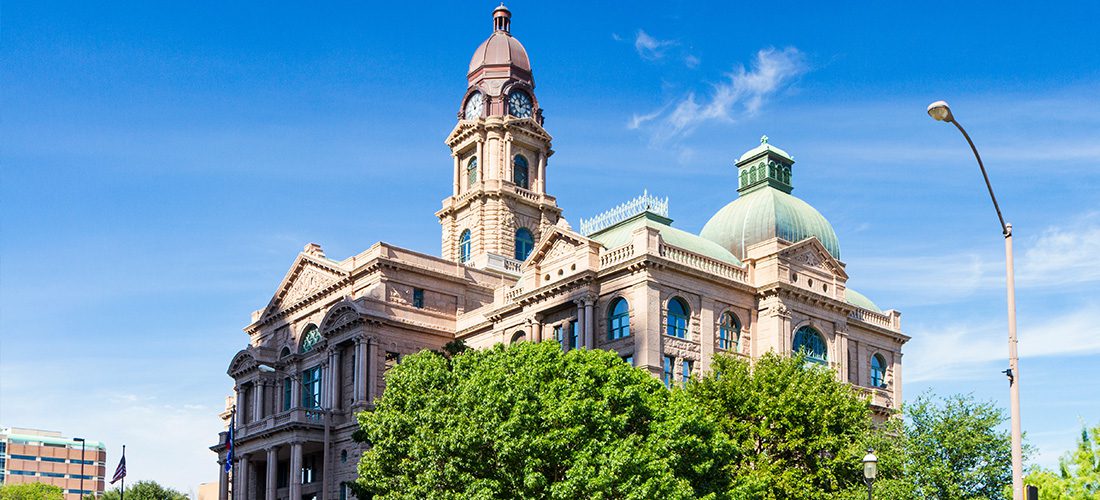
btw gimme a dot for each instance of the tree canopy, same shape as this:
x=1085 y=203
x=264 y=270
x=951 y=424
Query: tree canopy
x=530 y=421
x=1078 y=474
x=143 y=490
x=30 y=491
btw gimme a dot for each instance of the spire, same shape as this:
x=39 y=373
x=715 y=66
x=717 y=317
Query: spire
x=502 y=18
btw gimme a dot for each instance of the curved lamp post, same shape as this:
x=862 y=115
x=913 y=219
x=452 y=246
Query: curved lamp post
x=940 y=111
x=870 y=470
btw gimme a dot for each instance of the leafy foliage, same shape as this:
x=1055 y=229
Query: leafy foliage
x=1078 y=474
x=955 y=449
x=529 y=421
x=143 y=490
x=797 y=432
x=30 y=491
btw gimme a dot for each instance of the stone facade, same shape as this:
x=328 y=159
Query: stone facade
x=318 y=351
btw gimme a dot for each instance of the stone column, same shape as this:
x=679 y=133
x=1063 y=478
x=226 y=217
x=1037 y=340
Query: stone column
x=295 y=391
x=240 y=404
x=337 y=376
x=507 y=163
x=536 y=329
x=372 y=369
x=566 y=334
x=481 y=163
x=458 y=170
x=589 y=322
x=223 y=481
x=357 y=375
x=579 y=323
x=258 y=400
x=243 y=492
x=295 y=470
x=542 y=172
x=708 y=326
x=272 y=472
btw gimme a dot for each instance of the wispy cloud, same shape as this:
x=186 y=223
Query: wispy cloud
x=964 y=350
x=743 y=93
x=1061 y=255
x=649 y=48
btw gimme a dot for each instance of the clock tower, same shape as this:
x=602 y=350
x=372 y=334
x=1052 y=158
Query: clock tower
x=499 y=207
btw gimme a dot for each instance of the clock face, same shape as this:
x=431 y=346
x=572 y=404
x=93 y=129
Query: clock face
x=473 y=107
x=519 y=104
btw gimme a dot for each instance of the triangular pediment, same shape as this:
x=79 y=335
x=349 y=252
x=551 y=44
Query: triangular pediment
x=308 y=277
x=810 y=253
x=555 y=244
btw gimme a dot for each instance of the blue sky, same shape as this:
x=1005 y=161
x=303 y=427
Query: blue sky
x=163 y=163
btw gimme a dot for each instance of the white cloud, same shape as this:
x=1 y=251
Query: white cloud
x=1059 y=256
x=743 y=93
x=691 y=61
x=963 y=350
x=1063 y=255
x=649 y=48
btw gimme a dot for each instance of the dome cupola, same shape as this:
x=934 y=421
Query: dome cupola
x=501 y=56
x=765 y=209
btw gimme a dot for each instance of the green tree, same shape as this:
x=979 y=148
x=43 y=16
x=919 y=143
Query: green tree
x=142 y=490
x=955 y=448
x=1078 y=474
x=30 y=491
x=796 y=430
x=529 y=421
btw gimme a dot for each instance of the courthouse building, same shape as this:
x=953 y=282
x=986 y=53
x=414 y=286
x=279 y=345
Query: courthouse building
x=764 y=274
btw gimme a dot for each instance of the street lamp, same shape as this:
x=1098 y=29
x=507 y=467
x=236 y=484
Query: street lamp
x=81 y=441
x=870 y=470
x=940 y=111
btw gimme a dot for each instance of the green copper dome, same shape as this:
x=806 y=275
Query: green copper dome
x=767 y=213
x=859 y=300
x=765 y=208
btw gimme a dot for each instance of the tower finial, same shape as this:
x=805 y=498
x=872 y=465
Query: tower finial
x=763 y=139
x=502 y=18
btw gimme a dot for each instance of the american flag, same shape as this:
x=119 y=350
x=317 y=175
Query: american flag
x=120 y=472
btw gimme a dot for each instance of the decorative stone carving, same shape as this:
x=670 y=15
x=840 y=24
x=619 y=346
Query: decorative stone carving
x=560 y=249
x=308 y=282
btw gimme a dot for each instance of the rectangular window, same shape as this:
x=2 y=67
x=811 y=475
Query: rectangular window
x=311 y=388
x=686 y=371
x=52 y=474
x=22 y=472
x=24 y=457
x=282 y=475
x=78 y=476
x=575 y=335
x=629 y=358
x=559 y=334
x=287 y=387
x=392 y=359
x=667 y=366
x=418 y=298
x=53 y=459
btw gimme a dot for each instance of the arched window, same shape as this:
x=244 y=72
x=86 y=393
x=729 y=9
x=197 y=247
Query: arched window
x=284 y=353
x=519 y=336
x=310 y=337
x=752 y=174
x=729 y=332
x=677 y=320
x=618 y=321
x=519 y=171
x=524 y=243
x=744 y=177
x=471 y=173
x=464 y=247
x=878 y=371
x=809 y=342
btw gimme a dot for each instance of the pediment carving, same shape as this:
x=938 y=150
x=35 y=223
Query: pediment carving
x=813 y=255
x=560 y=249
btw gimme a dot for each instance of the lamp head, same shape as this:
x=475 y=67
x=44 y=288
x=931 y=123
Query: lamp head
x=79 y=440
x=870 y=466
x=940 y=112
x=266 y=368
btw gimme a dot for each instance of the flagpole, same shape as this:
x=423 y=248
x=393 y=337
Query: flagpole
x=122 y=492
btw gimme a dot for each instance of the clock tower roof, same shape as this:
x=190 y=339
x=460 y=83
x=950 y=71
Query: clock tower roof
x=501 y=56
